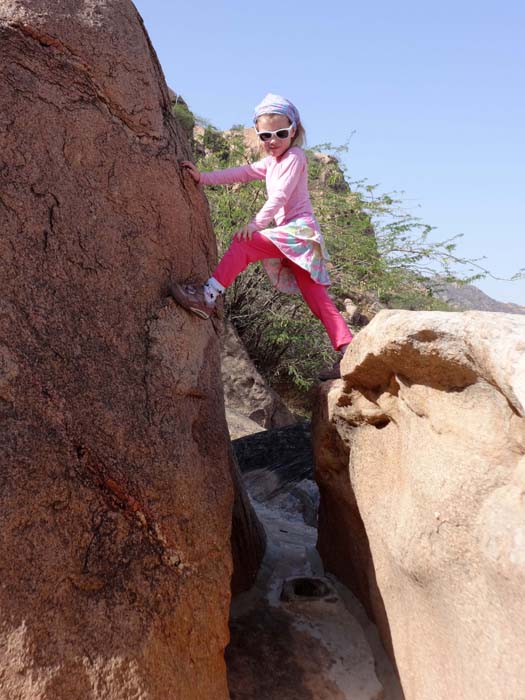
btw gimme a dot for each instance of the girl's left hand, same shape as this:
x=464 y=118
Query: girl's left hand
x=246 y=232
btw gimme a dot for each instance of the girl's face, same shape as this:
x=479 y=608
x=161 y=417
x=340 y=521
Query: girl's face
x=273 y=122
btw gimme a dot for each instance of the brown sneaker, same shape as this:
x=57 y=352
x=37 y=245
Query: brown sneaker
x=333 y=372
x=191 y=297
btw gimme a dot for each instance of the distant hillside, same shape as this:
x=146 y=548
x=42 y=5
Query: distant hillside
x=469 y=297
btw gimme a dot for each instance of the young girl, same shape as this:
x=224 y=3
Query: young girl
x=292 y=252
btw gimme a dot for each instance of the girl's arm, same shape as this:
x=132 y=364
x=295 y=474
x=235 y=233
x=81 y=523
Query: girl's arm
x=244 y=173
x=289 y=178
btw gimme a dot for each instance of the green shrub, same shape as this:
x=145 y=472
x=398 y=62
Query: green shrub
x=184 y=117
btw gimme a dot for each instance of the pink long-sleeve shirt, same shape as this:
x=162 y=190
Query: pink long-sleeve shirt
x=286 y=185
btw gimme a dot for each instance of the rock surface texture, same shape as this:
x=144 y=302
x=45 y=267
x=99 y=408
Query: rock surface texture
x=248 y=538
x=115 y=485
x=245 y=391
x=420 y=461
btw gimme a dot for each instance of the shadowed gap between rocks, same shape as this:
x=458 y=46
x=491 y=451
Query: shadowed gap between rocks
x=270 y=656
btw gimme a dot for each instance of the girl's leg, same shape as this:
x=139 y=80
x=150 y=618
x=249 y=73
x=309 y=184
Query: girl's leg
x=240 y=254
x=200 y=299
x=322 y=306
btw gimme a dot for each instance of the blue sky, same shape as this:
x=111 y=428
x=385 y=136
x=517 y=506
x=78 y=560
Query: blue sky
x=431 y=97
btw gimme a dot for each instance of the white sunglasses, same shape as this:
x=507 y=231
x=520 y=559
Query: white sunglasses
x=280 y=133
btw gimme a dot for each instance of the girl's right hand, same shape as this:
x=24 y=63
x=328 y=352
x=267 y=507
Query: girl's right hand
x=191 y=169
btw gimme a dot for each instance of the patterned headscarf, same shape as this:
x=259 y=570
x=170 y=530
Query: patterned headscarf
x=275 y=104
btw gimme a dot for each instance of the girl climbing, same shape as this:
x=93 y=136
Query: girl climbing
x=293 y=252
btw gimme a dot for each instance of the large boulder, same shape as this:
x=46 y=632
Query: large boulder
x=245 y=391
x=115 y=480
x=420 y=462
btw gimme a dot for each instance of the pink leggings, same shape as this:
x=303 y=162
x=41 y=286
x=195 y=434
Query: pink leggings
x=241 y=253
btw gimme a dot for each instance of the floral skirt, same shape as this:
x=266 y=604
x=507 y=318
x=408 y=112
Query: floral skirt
x=301 y=244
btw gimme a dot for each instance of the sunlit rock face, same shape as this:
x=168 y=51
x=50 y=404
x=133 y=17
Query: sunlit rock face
x=420 y=462
x=115 y=481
